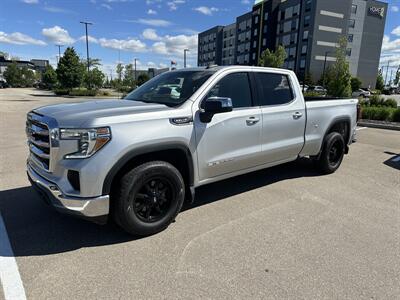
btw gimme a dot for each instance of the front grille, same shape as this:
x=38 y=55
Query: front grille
x=37 y=132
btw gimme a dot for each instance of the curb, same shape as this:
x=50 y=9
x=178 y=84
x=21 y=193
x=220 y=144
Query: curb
x=379 y=124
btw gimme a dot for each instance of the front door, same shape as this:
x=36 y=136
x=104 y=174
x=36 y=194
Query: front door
x=231 y=141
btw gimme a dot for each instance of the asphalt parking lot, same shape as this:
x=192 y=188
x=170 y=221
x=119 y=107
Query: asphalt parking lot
x=280 y=233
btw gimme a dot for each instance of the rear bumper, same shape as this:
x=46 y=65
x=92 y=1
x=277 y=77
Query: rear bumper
x=95 y=209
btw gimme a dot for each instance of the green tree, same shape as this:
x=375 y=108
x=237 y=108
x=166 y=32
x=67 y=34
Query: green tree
x=338 y=76
x=49 y=77
x=95 y=77
x=355 y=84
x=129 y=76
x=380 y=84
x=70 y=70
x=13 y=75
x=273 y=59
x=119 y=70
x=397 y=78
x=28 y=77
x=142 y=78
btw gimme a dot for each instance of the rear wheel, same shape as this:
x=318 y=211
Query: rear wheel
x=149 y=198
x=332 y=153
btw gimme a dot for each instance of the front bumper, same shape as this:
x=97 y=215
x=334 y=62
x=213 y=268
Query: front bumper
x=96 y=209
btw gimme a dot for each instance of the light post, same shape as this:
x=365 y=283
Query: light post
x=87 y=48
x=59 y=52
x=184 y=57
x=323 y=74
x=135 y=71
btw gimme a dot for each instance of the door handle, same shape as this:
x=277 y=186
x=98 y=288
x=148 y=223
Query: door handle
x=297 y=115
x=252 y=120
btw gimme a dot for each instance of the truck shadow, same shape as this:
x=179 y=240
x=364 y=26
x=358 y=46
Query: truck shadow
x=35 y=229
x=393 y=161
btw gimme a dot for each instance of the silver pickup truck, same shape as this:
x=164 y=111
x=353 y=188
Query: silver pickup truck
x=139 y=158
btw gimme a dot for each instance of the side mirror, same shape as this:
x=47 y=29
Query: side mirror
x=214 y=105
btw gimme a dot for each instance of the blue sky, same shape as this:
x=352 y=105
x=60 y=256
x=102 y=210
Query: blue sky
x=154 y=31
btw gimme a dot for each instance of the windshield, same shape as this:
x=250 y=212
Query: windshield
x=170 y=88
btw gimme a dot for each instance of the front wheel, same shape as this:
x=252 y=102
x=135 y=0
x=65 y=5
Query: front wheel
x=332 y=153
x=149 y=198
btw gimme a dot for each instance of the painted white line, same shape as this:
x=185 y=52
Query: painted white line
x=9 y=276
x=361 y=128
x=396 y=159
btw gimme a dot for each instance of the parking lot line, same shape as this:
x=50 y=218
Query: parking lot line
x=9 y=275
x=361 y=128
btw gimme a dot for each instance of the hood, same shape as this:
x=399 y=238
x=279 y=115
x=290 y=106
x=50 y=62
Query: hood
x=80 y=113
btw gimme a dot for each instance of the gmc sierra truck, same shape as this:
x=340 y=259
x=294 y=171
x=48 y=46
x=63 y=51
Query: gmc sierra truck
x=138 y=159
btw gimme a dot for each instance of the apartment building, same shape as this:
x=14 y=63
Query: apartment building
x=308 y=29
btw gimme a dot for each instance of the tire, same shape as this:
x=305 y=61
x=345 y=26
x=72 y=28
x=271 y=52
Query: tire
x=149 y=198
x=332 y=153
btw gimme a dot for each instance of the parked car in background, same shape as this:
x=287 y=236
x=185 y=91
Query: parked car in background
x=318 y=89
x=304 y=87
x=362 y=93
x=3 y=84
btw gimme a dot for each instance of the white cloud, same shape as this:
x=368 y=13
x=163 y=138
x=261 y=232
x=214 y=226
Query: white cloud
x=174 y=45
x=133 y=45
x=31 y=1
x=106 y=6
x=395 y=8
x=396 y=31
x=150 y=2
x=162 y=65
x=91 y=39
x=151 y=12
x=390 y=45
x=246 y=2
x=150 y=34
x=390 y=52
x=54 y=9
x=18 y=38
x=208 y=11
x=173 y=5
x=57 y=35
x=153 y=22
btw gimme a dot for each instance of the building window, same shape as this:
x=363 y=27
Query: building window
x=354 y=9
x=296 y=10
x=348 y=51
x=352 y=23
x=295 y=24
x=266 y=16
x=350 y=38
x=305 y=35
x=254 y=56
x=254 y=44
x=248 y=23
x=255 y=32
x=286 y=40
x=289 y=12
x=302 y=64
x=287 y=26
x=307 y=20
x=264 y=43
x=304 y=49
x=256 y=20
x=265 y=29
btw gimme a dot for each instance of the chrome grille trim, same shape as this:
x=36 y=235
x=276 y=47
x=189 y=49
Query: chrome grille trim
x=42 y=146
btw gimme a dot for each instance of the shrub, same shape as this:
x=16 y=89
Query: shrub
x=396 y=115
x=390 y=103
x=61 y=92
x=312 y=94
x=376 y=100
x=103 y=93
x=82 y=92
x=377 y=113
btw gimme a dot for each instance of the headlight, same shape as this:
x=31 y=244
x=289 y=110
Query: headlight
x=89 y=140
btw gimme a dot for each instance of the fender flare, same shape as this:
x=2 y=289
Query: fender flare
x=148 y=149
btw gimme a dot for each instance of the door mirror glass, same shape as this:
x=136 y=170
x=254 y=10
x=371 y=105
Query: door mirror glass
x=214 y=105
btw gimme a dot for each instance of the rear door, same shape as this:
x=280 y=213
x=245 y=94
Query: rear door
x=231 y=141
x=283 y=117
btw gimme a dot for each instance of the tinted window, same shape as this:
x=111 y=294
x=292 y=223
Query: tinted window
x=275 y=89
x=235 y=86
x=170 y=88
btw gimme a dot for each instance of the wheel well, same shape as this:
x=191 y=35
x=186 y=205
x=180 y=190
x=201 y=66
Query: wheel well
x=179 y=158
x=342 y=127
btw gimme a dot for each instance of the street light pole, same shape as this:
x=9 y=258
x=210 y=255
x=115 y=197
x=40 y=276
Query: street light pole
x=135 y=71
x=87 y=47
x=59 y=52
x=184 y=57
